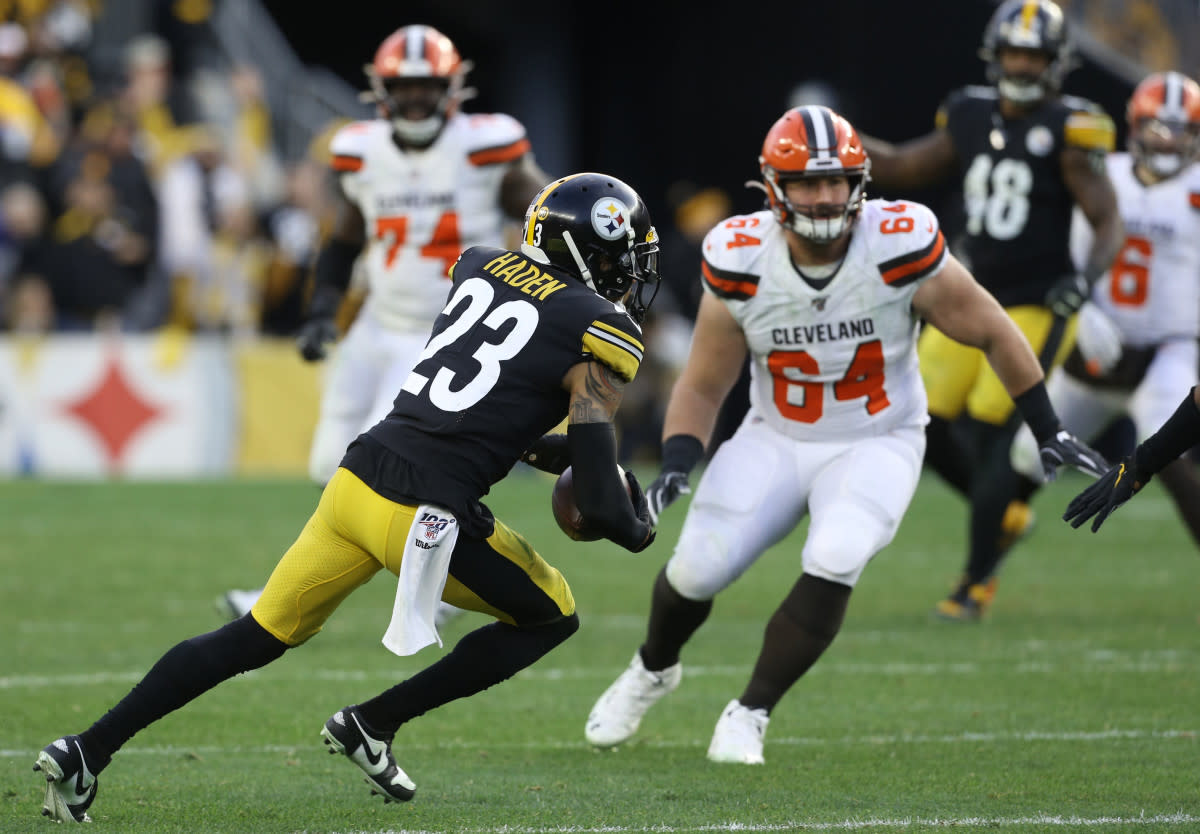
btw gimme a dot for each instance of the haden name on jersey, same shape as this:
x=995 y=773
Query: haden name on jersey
x=808 y=334
x=520 y=274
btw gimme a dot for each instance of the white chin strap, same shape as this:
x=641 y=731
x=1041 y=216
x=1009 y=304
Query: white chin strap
x=1021 y=92
x=418 y=132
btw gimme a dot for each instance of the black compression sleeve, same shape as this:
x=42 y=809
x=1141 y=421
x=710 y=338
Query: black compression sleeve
x=1034 y=405
x=1180 y=433
x=599 y=493
x=335 y=265
x=681 y=453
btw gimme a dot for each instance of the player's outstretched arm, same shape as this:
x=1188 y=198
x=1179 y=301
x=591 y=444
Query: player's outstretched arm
x=1123 y=481
x=953 y=302
x=331 y=277
x=713 y=365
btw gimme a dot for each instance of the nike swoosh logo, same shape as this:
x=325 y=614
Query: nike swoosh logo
x=375 y=749
x=83 y=780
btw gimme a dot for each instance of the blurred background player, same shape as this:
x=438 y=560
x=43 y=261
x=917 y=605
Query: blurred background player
x=1026 y=154
x=526 y=339
x=418 y=185
x=1137 y=344
x=823 y=292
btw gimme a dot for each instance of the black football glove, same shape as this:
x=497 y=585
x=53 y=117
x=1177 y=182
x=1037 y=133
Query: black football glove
x=1067 y=295
x=315 y=337
x=1064 y=450
x=1100 y=499
x=549 y=453
x=641 y=508
x=665 y=491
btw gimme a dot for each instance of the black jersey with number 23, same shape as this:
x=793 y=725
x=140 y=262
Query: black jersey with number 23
x=489 y=382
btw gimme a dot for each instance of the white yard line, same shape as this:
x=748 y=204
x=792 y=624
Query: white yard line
x=795 y=741
x=841 y=825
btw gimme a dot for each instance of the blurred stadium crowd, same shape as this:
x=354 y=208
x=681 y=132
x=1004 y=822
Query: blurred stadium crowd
x=144 y=180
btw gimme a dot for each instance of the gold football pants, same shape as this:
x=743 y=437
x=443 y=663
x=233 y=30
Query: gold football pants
x=959 y=379
x=355 y=532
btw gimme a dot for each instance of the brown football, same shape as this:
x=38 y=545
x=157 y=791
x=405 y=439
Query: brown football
x=566 y=512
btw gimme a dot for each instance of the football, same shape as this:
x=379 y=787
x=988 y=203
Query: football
x=566 y=512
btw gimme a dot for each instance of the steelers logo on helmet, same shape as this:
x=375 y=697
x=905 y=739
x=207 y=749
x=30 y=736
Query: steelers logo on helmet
x=610 y=218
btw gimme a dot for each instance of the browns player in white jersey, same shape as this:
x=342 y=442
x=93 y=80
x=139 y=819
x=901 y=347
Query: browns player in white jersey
x=1138 y=338
x=824 y=292
x=418 y=185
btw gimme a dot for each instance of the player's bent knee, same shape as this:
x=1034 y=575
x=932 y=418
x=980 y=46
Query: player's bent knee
x=839 y=553
x=695 y=571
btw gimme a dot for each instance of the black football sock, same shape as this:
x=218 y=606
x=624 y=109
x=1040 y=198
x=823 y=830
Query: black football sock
x=186 y=671
x=797 y=634
x=673 y=620
x=1026 y=488
x=1183 y=485
x=945 y=454
x=482 y=658
x=994 y=488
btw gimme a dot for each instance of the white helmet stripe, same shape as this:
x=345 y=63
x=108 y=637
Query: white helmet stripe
x=414 y=48
x=1172 y=106
x=819 y=127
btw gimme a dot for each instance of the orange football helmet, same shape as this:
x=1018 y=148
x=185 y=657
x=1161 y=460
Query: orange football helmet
x=1164 y=123
x=813 y=141
x=417 y=81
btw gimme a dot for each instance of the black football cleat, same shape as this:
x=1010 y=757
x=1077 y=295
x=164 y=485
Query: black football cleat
x=344 y=733
x=70 y=785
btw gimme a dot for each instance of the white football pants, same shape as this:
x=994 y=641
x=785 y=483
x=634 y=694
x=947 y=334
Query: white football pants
x=364 y=378
x=759 y=486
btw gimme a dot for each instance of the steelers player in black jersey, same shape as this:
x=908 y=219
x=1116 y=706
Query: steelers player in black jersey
x=1026 y=155
x=525 y=339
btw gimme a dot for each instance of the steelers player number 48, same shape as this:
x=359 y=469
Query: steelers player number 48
x=997 y=196
x=472 y=302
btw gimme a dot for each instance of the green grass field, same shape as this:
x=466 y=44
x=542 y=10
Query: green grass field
x=1074 y=707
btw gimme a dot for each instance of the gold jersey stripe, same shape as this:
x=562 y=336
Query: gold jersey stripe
x=1090 y=131
x=616 y=356
x=620 y=334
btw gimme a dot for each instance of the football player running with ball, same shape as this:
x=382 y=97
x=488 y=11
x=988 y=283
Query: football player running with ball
x=1025 y=154
x=416 y=186
x=1137 y=347
x=824 y=291
x=526 y=338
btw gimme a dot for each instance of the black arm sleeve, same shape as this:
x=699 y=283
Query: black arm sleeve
x=335 y=264
x=599 y=493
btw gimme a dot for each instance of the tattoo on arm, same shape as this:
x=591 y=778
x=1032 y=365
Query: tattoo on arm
x=600 y=397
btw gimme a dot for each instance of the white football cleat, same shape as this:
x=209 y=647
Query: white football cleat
x=738 y=736
x=619 y=711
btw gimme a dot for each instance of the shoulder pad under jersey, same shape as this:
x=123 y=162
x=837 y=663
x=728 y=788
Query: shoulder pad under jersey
x=1087 y=126
x=905 y=240
x=616 y=340
x=493 y=138
x=348 y=147
x=732 y=252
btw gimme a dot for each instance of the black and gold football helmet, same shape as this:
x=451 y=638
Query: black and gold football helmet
x=598 y=229
x=1039 y=25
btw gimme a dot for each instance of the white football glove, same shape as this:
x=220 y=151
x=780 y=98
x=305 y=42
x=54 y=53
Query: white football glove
x=1099 y=339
